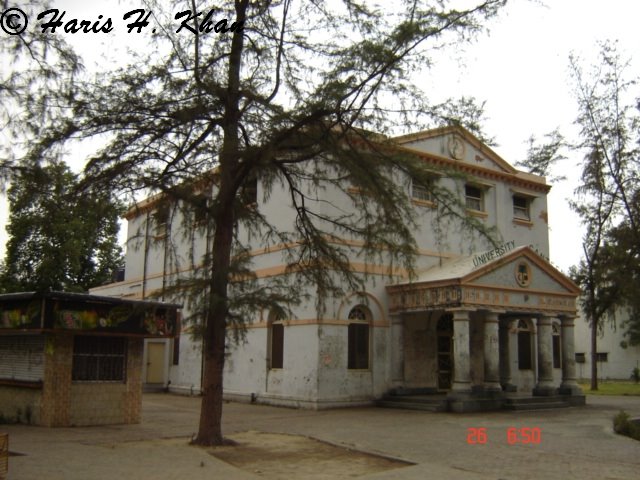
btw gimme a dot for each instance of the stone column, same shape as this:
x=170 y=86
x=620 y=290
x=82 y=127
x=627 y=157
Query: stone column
x=397 y=350
x=491 y=353
x=569 y=386
x=506 y=333
x=545 y=358
x=461 y=353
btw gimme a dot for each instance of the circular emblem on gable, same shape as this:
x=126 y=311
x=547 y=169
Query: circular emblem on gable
x=523 y=274
x=456 y=147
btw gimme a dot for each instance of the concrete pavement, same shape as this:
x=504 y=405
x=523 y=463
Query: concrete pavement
x=575 y=442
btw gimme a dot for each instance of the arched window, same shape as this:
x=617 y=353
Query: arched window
x=276 y=341
x=358 y=338
x=524 y=345
x=557 y=359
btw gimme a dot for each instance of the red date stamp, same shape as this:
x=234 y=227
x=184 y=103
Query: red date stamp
x=515 y=435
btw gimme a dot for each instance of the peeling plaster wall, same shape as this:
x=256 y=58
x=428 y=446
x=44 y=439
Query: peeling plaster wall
x=420 y=351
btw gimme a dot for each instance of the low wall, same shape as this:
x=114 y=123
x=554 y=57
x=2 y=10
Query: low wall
x=20 y=404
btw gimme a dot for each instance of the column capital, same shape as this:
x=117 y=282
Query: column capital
x=567 y=320
x=492 y=315
x=544 y=320
x=460 y=313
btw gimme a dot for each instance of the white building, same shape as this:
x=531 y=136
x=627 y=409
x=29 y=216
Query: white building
x=616 y=359
x=479 y=320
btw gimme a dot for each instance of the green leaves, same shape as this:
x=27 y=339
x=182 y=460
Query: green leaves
x=59 y=238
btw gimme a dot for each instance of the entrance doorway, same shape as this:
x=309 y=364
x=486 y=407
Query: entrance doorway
x=444 y=332
x=155 y=362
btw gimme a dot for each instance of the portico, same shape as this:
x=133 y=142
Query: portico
x=481 y=332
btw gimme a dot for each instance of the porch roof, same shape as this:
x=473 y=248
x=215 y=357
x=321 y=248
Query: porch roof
x=32 y=312
x=507 y=278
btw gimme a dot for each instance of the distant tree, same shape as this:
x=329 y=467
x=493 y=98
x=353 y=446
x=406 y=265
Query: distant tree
x=58 y=239
x=32 y=63
x=626 y=265
x=608 y=193
x=543 y=155
x=286 y=94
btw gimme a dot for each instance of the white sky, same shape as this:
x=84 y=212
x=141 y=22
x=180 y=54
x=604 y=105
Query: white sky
x=520 y=69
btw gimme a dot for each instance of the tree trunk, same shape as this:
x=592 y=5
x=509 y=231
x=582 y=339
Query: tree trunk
x=230 y=178
x=210 y=428
x=594 y=355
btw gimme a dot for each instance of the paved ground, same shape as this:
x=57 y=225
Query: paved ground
x=576 y=443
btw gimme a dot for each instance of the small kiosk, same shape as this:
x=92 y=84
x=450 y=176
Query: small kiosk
x=69 y=359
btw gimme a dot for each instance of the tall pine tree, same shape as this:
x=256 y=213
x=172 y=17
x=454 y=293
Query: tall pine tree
x=283 y=92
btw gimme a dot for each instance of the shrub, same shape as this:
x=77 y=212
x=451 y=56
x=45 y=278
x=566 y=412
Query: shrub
x=622 y=425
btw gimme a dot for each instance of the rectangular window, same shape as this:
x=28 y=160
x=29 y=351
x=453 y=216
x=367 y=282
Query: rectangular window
x=99 y=359
x=580 y=358
x=176 y=340
x=200 y=210
x=277 y=345
x=602 y=356
x=524 y=350
x=521 y=207
x=160 y=221
x=249 y=192
x=22 y=358
x=358 y=346
x=419 y=192
x=556 y=351
x=474 y=198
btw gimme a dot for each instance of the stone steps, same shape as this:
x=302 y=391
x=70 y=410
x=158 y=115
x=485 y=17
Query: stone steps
x=415 y=402
x=535 y=403
x=440 y=403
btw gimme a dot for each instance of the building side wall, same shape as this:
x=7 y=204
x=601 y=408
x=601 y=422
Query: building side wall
x=106 y=403
x=56 y=388
x=20 y=404
x=620 y=361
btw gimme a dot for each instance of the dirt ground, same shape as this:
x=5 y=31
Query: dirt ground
x=281 y=456
x=279 y=443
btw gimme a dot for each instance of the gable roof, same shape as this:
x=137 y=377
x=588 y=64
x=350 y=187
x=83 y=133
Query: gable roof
x=507 y=278
x=505 y=171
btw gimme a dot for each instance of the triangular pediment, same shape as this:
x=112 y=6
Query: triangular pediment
x=457 y=144
x=506 y=278
x=521 y=269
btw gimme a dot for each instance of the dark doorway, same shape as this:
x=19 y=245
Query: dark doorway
x=444 y=332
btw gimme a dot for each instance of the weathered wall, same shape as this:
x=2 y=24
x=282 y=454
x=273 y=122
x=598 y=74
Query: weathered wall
x=420 y=351
x=20 y=404
x=108 y=403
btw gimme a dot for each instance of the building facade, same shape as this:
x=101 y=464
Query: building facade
x=480 y=319
x=615 y=357
x=69 y=359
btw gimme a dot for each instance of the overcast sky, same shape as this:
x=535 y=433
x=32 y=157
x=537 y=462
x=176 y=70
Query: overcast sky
x=520 y=69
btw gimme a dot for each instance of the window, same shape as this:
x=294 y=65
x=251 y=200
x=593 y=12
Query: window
x=601 y=356
x=580 y=358
x=22 y=357
x=421 y=192
x=276 y=341
x=176 y=340
x=358 y=341
x=200 y=210
x=160 y=221
x=556 y=346
x=521 y=207
x=524 y=346
x=474 y=198
x=249 y=192
x=99 y=359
